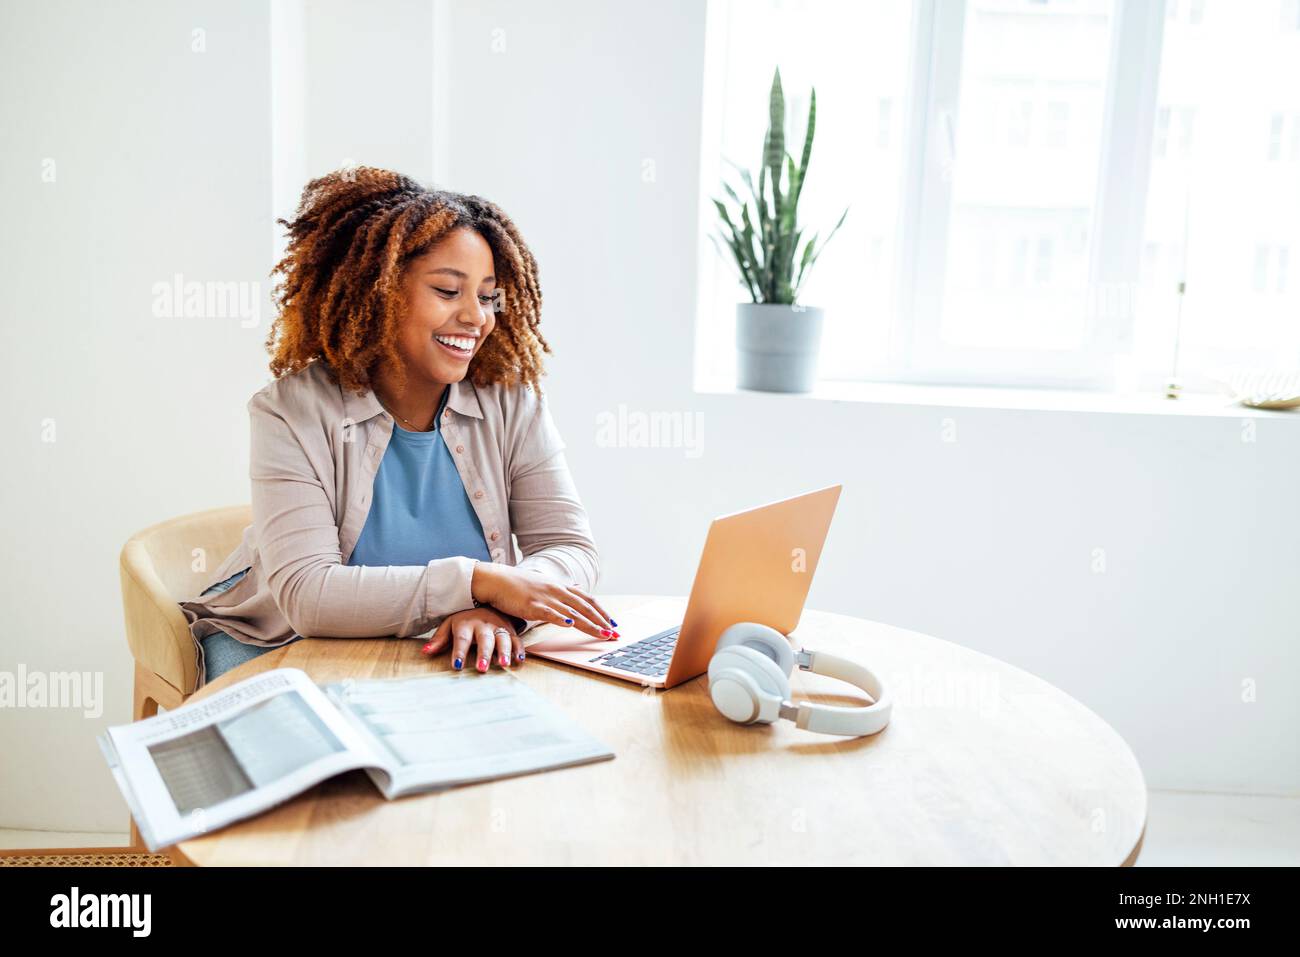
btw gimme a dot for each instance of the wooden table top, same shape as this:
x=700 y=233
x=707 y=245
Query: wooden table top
x=982 y=763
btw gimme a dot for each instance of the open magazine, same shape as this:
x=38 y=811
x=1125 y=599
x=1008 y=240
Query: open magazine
x=270 y=737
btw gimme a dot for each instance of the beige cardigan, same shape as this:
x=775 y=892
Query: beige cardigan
x=314 y=453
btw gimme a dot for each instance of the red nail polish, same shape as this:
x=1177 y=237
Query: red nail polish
x=428 y=648
x=504 y=660
x=482 y=664
x=606 y=632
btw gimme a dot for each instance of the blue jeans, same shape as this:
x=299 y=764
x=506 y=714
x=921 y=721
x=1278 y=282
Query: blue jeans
x=220 y=651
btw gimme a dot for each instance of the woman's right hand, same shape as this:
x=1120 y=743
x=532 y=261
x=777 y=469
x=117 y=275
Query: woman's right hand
x=534 y=598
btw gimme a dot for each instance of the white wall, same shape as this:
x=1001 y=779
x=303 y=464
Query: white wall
x=166 y=165
x=162 y=166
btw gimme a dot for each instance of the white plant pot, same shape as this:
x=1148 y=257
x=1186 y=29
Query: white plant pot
x=777 y=346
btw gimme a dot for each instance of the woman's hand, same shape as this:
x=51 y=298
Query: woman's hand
x=488 y=628
x=534 y=598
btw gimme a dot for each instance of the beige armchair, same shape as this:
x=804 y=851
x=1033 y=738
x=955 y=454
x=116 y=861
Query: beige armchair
x=158 y=572
x=157 y=568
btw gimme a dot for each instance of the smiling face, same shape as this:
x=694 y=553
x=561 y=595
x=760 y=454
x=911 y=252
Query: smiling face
x=449 y=308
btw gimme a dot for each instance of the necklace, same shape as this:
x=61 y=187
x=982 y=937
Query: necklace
x=414 y=427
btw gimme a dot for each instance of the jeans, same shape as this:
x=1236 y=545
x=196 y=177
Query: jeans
x=220 y=651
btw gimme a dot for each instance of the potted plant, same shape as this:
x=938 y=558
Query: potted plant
x=777 y=339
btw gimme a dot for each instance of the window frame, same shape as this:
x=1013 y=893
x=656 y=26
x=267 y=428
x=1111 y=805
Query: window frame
x=1116 y=236
x=929 y=115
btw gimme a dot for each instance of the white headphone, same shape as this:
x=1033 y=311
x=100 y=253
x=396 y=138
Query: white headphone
x=749 y=682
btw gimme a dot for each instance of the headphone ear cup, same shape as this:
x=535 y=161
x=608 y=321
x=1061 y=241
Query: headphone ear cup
x=769 y=642
x=746 y=683
x=761 y=668
x=736 y=695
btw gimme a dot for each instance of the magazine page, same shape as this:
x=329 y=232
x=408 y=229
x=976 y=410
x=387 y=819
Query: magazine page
x=441 y=730
x=231 y=755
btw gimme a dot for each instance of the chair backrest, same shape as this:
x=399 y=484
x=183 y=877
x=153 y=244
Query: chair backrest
x=175 y=547
x=158 y=571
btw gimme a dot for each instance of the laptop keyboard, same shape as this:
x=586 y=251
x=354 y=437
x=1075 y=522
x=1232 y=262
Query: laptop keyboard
x=649 y=656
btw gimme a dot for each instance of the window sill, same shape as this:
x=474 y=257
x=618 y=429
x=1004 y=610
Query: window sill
x=1037 y=400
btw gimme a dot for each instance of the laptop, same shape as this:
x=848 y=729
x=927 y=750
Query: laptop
x=757 y=565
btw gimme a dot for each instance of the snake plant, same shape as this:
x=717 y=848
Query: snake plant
x=765 y=245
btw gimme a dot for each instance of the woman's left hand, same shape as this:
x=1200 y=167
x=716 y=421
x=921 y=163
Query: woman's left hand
x=489 y=630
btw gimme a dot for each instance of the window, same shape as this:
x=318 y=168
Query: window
x=857 y=57
x=1058 y=125
x=1284 y=138
x=1226 y=204
x=1187 y=11
x=1270 y=268
x=1290 y=14
x=1028 y=183
x=1048 y=67
x=1174 y=130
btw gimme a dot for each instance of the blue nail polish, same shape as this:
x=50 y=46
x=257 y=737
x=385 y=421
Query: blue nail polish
x=521 y=656
x=458 y=663
x=613 y=622
x=568 y=621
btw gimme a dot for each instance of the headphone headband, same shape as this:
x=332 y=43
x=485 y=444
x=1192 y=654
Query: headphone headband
x=841 y=719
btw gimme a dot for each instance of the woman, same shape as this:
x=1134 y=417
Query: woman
x=403 y=441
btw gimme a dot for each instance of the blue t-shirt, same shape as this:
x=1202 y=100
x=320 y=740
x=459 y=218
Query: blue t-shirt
x=419 y=510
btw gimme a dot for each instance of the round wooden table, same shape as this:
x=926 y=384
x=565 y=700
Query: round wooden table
x=981 y=764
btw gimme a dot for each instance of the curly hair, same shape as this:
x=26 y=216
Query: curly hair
x=340 y=297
